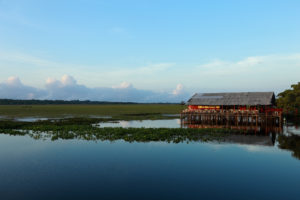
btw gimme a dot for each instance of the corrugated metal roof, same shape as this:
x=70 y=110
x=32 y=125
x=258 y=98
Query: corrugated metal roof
x=230 y=99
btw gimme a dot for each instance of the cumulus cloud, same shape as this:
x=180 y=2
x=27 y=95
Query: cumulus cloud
x=13 y=88
x=13 y=81
x=254 y=73
x=67 y=88
x=68 y=80
x=178 y=90
x=123 y=85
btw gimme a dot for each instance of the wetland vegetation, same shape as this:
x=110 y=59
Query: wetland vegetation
x=63 y=147
x=120 y=111
x=83 y=128
x=79 y=122
x=86 y=129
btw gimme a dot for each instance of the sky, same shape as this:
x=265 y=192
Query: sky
x=146 y=50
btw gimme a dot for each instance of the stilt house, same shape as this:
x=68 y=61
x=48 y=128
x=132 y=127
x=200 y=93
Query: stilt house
x=260 y=101
x=232 y=109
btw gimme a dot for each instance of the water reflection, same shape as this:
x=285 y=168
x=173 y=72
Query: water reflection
x=32 y=119
x=141 y=164
x=155 y=170
x=162 y=123
x=249 y=139
x=286 y=137
x=252 y=135
x=242 y=129
x=289 y=139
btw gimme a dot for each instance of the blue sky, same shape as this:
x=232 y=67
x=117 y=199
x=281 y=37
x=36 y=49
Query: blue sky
x=158 y=45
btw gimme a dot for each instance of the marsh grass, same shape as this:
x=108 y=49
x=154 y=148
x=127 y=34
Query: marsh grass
x=128 y=111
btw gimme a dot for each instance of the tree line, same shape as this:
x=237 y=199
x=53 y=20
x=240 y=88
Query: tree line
x=54 y=102
x=289 y=99
x=62 y=102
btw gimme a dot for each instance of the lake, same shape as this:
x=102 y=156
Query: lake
x=242 y=167
x=162 y=123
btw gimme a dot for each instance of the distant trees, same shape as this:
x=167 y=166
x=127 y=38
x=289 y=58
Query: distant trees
x=54 y=102
x=289 y=99
x=63 y=102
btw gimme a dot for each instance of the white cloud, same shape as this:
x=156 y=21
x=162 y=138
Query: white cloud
x=67 y=88
x=68 y=80
x=13 y=88
x=51 y=81
x=178 y=90
x=123 y=85
x=13 y=81
x=251 y=61
x=29 y=65
x=257 y=73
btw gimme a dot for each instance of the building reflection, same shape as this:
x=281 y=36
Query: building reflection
x=242 y=128
x=252 y=135
x=286 y=137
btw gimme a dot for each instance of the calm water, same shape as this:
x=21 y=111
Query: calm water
x=174 y=123
x=165 y=123
x=243 y=167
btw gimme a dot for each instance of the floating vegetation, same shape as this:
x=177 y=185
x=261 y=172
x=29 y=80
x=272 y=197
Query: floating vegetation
x=82 y=128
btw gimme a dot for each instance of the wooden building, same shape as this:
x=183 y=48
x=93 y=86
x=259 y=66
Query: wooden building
x=243 y=108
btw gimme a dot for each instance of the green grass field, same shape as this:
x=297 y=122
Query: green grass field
x=123 y=110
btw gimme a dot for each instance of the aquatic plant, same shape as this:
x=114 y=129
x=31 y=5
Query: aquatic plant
x=82 y=128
